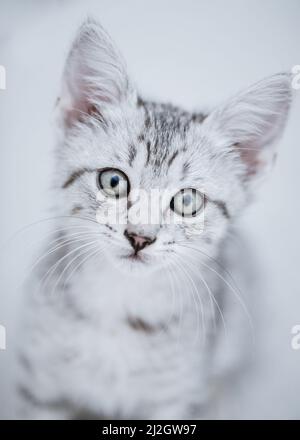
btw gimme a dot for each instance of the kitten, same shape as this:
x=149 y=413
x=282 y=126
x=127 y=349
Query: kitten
x=126 y=319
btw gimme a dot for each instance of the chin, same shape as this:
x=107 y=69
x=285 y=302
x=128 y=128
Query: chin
x=140 y=264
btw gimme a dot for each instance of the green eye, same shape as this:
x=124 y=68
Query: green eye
x=113 y=182
x=187 y=202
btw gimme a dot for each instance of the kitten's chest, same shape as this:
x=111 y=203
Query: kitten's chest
x=140 y=343
x=104 y=294
x=122 y=344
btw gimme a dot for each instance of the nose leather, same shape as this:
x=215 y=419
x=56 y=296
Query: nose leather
x=138 y=242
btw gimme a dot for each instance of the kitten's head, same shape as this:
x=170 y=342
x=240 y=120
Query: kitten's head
x=116 y=147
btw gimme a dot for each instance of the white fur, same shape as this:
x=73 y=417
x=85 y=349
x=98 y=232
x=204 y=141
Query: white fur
x=84 y=356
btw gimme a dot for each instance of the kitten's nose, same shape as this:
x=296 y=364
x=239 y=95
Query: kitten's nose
x=138 y=242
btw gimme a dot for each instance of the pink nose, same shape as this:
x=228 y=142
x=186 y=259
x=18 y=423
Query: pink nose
x=138 y=242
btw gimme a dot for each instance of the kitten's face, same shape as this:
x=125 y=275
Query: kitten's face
x=115 y=145
x=162 y=153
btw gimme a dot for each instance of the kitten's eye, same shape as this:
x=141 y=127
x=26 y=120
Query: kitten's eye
x=187 y=202
x=113 y=182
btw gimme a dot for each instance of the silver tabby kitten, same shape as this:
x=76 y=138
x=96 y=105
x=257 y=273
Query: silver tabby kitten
x=141 y=318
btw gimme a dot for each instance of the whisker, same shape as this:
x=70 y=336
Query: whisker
x=213 y=298
x=233 y=289
x=98 y=250
x=173 y=291
x=56 y=248
x=180 y=266
x=176 y=274
x=44 y=220
x=51 y=270
x=70 y=264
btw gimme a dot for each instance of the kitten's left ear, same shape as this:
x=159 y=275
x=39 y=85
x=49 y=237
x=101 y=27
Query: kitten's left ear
x=252 y=121
x=95 y=76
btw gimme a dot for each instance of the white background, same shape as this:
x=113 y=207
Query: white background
x=193 y=53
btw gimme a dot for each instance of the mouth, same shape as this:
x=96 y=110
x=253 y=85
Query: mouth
x=137 y=263
x=134 y=257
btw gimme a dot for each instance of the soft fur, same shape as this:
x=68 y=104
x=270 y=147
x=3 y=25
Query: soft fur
x=109 y=336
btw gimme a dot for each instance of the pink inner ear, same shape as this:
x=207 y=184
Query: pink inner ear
x=79 y=113
x=254 y=159
x=251 y=157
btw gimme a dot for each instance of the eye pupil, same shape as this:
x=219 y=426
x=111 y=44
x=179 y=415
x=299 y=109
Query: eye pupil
x=114 y=181
x=186 y=199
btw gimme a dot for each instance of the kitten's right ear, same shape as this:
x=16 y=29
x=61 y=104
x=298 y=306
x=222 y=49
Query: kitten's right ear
x=95 y=75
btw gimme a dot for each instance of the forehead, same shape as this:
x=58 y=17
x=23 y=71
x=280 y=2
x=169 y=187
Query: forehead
x=159 y=146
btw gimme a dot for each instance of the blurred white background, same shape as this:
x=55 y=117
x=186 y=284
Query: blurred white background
x=193 y=53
